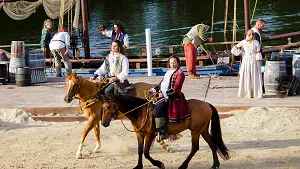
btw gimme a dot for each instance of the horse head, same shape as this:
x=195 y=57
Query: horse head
x=73 y=86
x=109 y=111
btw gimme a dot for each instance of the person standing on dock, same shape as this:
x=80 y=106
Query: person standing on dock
x=116 y=65
x=46 y=37
x=59 y=46
x=193 y=39
x=118 y=33
x=250 y=83
x=257 y=29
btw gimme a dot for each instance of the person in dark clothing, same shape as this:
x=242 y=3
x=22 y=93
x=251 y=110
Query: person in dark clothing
x=118 y=33
x=46 y=37
x=257 y=29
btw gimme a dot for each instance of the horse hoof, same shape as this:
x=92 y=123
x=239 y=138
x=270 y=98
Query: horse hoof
x=214 y=167
x=78 y=156
x=162 y=166
x=95 y=151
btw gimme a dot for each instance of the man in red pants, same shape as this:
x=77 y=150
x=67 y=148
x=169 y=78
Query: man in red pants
x=193 y=39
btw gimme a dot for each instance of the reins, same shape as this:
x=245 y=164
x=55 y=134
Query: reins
x=144 y=121
x=103 y=80
x=91 y=101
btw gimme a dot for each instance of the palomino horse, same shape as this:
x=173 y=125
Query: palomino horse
x=138 y=111
x=91 y=104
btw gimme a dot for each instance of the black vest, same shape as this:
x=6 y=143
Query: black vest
x=120 y=38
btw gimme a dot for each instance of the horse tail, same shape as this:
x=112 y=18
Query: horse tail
x=217 y=134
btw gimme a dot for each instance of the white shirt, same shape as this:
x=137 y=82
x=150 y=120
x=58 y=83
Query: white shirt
x=60 y=40
x=109 y=34
x=164 y=86
x=112 y=63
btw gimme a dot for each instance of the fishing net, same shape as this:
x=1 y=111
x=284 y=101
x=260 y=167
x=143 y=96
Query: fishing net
x=20 y=10
x=54 y=9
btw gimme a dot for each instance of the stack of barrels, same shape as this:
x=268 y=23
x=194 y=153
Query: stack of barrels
x=18 y=73
x=279 y=65
x=35 y=59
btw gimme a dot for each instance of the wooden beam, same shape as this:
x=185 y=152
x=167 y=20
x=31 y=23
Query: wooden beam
x=246 y=15
x=59 y=118
x=278 y=48
x=281 y=36
x=85 y=29
x=51 y=110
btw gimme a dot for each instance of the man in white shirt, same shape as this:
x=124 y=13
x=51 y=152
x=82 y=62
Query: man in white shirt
x=59 y=46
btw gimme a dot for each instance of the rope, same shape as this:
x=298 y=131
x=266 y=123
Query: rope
x=212 y=18
x=253 y=11
x=223 y=87
x=212 y=28
x=144 y=121
x=234 y=23
x=225 y=23
x=207 y=88
x=103 y=80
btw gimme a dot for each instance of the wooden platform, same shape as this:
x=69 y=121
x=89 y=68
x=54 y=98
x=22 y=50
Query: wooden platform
x=46 y=99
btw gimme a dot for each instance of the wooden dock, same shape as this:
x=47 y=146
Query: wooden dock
x=46 y=99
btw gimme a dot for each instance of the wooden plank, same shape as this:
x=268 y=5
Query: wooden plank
x=51 y=110
x=59 y=118
x=231 y=108
x=82 y=119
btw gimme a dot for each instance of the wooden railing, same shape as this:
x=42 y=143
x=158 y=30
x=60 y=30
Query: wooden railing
x=139 y=58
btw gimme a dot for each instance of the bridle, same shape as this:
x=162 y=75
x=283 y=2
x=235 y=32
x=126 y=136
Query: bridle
x=117 y=116
x=76 y=87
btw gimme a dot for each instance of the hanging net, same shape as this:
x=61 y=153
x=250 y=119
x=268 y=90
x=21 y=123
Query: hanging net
x=20 y=10
x=54 y=9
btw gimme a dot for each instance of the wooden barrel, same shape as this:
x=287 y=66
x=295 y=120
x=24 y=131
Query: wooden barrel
x=296 y=68
x=23 y=76
x=286 y=56
x=17 y=58
x=35 y=58
x=274 y=70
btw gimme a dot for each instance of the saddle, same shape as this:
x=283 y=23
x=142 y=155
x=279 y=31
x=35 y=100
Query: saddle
x=122 y=88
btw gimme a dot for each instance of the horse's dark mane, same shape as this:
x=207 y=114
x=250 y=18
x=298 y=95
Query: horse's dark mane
x=128 y=102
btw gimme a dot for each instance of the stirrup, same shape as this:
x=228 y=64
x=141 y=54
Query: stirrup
x=164 y=136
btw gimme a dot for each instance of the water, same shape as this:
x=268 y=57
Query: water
x=168 y=20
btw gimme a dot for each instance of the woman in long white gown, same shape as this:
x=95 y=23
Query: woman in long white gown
x=250 y=84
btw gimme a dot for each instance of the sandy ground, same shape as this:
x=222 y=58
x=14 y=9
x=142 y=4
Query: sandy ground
x=266 y=138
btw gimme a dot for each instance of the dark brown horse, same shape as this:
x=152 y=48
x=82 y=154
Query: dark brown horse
x=91 y=104
x=139 y=111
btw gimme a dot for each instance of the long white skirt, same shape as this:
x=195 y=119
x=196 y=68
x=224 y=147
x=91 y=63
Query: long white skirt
x=250 y=84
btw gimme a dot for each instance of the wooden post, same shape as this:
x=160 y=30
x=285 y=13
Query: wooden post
x=85 y=29
x=246 y=16
x=144 y=51
x=171 y=50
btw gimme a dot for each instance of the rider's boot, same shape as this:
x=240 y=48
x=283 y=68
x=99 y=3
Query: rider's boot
x=161 y=123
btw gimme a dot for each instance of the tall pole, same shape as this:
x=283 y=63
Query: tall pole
x=246 y=15
x=149 y=51
x=85 y=29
